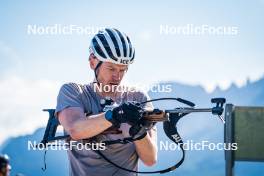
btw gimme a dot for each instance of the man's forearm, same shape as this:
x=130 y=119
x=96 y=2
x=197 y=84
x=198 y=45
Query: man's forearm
x=86 y=128
x=80 y=127
x=146 y=148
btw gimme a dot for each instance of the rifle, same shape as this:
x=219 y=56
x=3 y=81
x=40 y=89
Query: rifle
x=169 y=117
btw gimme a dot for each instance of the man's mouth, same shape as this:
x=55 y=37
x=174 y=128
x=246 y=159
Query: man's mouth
x=115 y=84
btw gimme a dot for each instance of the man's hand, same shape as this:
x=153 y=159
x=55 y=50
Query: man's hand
x=125 y=113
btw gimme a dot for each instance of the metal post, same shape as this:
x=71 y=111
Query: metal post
x=229 y=138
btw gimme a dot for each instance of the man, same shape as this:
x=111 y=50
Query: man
x=4 y=165
x=80 y=113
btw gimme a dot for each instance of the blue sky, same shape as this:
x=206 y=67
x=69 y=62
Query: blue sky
x=34 y=66
x=207 y=59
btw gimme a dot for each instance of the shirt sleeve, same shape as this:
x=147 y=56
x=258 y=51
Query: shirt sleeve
x=69 y=96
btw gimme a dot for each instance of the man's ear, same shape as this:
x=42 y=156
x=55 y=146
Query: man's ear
x=93 y=61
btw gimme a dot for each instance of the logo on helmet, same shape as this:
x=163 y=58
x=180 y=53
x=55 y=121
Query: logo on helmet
x=123 y=61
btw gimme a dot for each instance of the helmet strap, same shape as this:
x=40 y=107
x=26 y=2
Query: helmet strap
x=96 y=71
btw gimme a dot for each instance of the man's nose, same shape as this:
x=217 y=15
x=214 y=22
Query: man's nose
x=116 y=76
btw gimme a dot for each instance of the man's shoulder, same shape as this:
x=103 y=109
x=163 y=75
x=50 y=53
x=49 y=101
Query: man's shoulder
x=72 y=86
x=137 y=94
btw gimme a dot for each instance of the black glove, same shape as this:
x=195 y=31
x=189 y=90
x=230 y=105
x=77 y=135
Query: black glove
x=126 y=113
x=141 y=127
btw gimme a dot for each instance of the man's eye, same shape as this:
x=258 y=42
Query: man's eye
x=110 y=68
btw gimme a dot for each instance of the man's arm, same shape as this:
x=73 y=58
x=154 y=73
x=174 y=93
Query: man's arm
x=78 y=126
x=147 y=148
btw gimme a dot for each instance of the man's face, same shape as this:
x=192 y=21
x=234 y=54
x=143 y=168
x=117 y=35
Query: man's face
x=111 y=74
x=108 y=73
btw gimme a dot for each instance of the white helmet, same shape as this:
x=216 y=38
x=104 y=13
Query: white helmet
x=111 y=45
